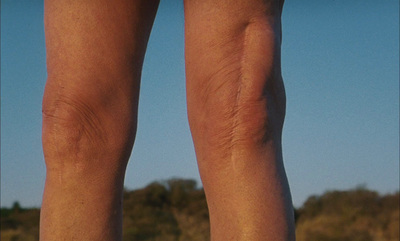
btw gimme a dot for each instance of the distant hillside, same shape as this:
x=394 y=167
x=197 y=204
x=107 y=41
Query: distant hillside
x=176 y=210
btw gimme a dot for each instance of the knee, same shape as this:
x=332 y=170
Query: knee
x=237 y=106
x=235 y=89
x=235 y=124
x=82 y=126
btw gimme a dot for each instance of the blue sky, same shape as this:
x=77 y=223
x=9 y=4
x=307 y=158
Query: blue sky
x=340 y=63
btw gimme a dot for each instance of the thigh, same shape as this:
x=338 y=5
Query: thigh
x=96 y=42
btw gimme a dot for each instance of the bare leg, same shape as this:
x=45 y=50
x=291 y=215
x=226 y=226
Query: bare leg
x=95 y=50
x=236 y=108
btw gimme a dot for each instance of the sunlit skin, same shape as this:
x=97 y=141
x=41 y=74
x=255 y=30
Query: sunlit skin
x=236 y=108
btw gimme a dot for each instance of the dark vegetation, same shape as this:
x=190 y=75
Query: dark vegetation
x=176 y=210
x=355 y=215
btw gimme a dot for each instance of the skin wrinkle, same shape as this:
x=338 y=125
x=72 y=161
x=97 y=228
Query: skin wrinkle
x=213 y=85
x=229 y=132
x=236 y=109
x=46 y=114
x=239 y=110
x=86 y=129
x=87 y=123
x=242 y=102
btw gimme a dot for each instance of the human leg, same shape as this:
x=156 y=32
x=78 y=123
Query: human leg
x=236 y=108
x=95 y=51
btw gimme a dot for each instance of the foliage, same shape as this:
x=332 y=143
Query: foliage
x=19 y=224
x=169 y=210
x=354 y=215
x=176 y=210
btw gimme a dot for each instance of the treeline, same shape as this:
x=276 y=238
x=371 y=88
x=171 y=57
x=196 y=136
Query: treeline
x=355 y=215
x=176 y=210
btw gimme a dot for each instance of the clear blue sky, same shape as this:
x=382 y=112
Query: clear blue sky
x=340 y=63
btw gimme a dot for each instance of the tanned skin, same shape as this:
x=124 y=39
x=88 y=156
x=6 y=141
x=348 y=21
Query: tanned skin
x=95 y=51
x=236 y=109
